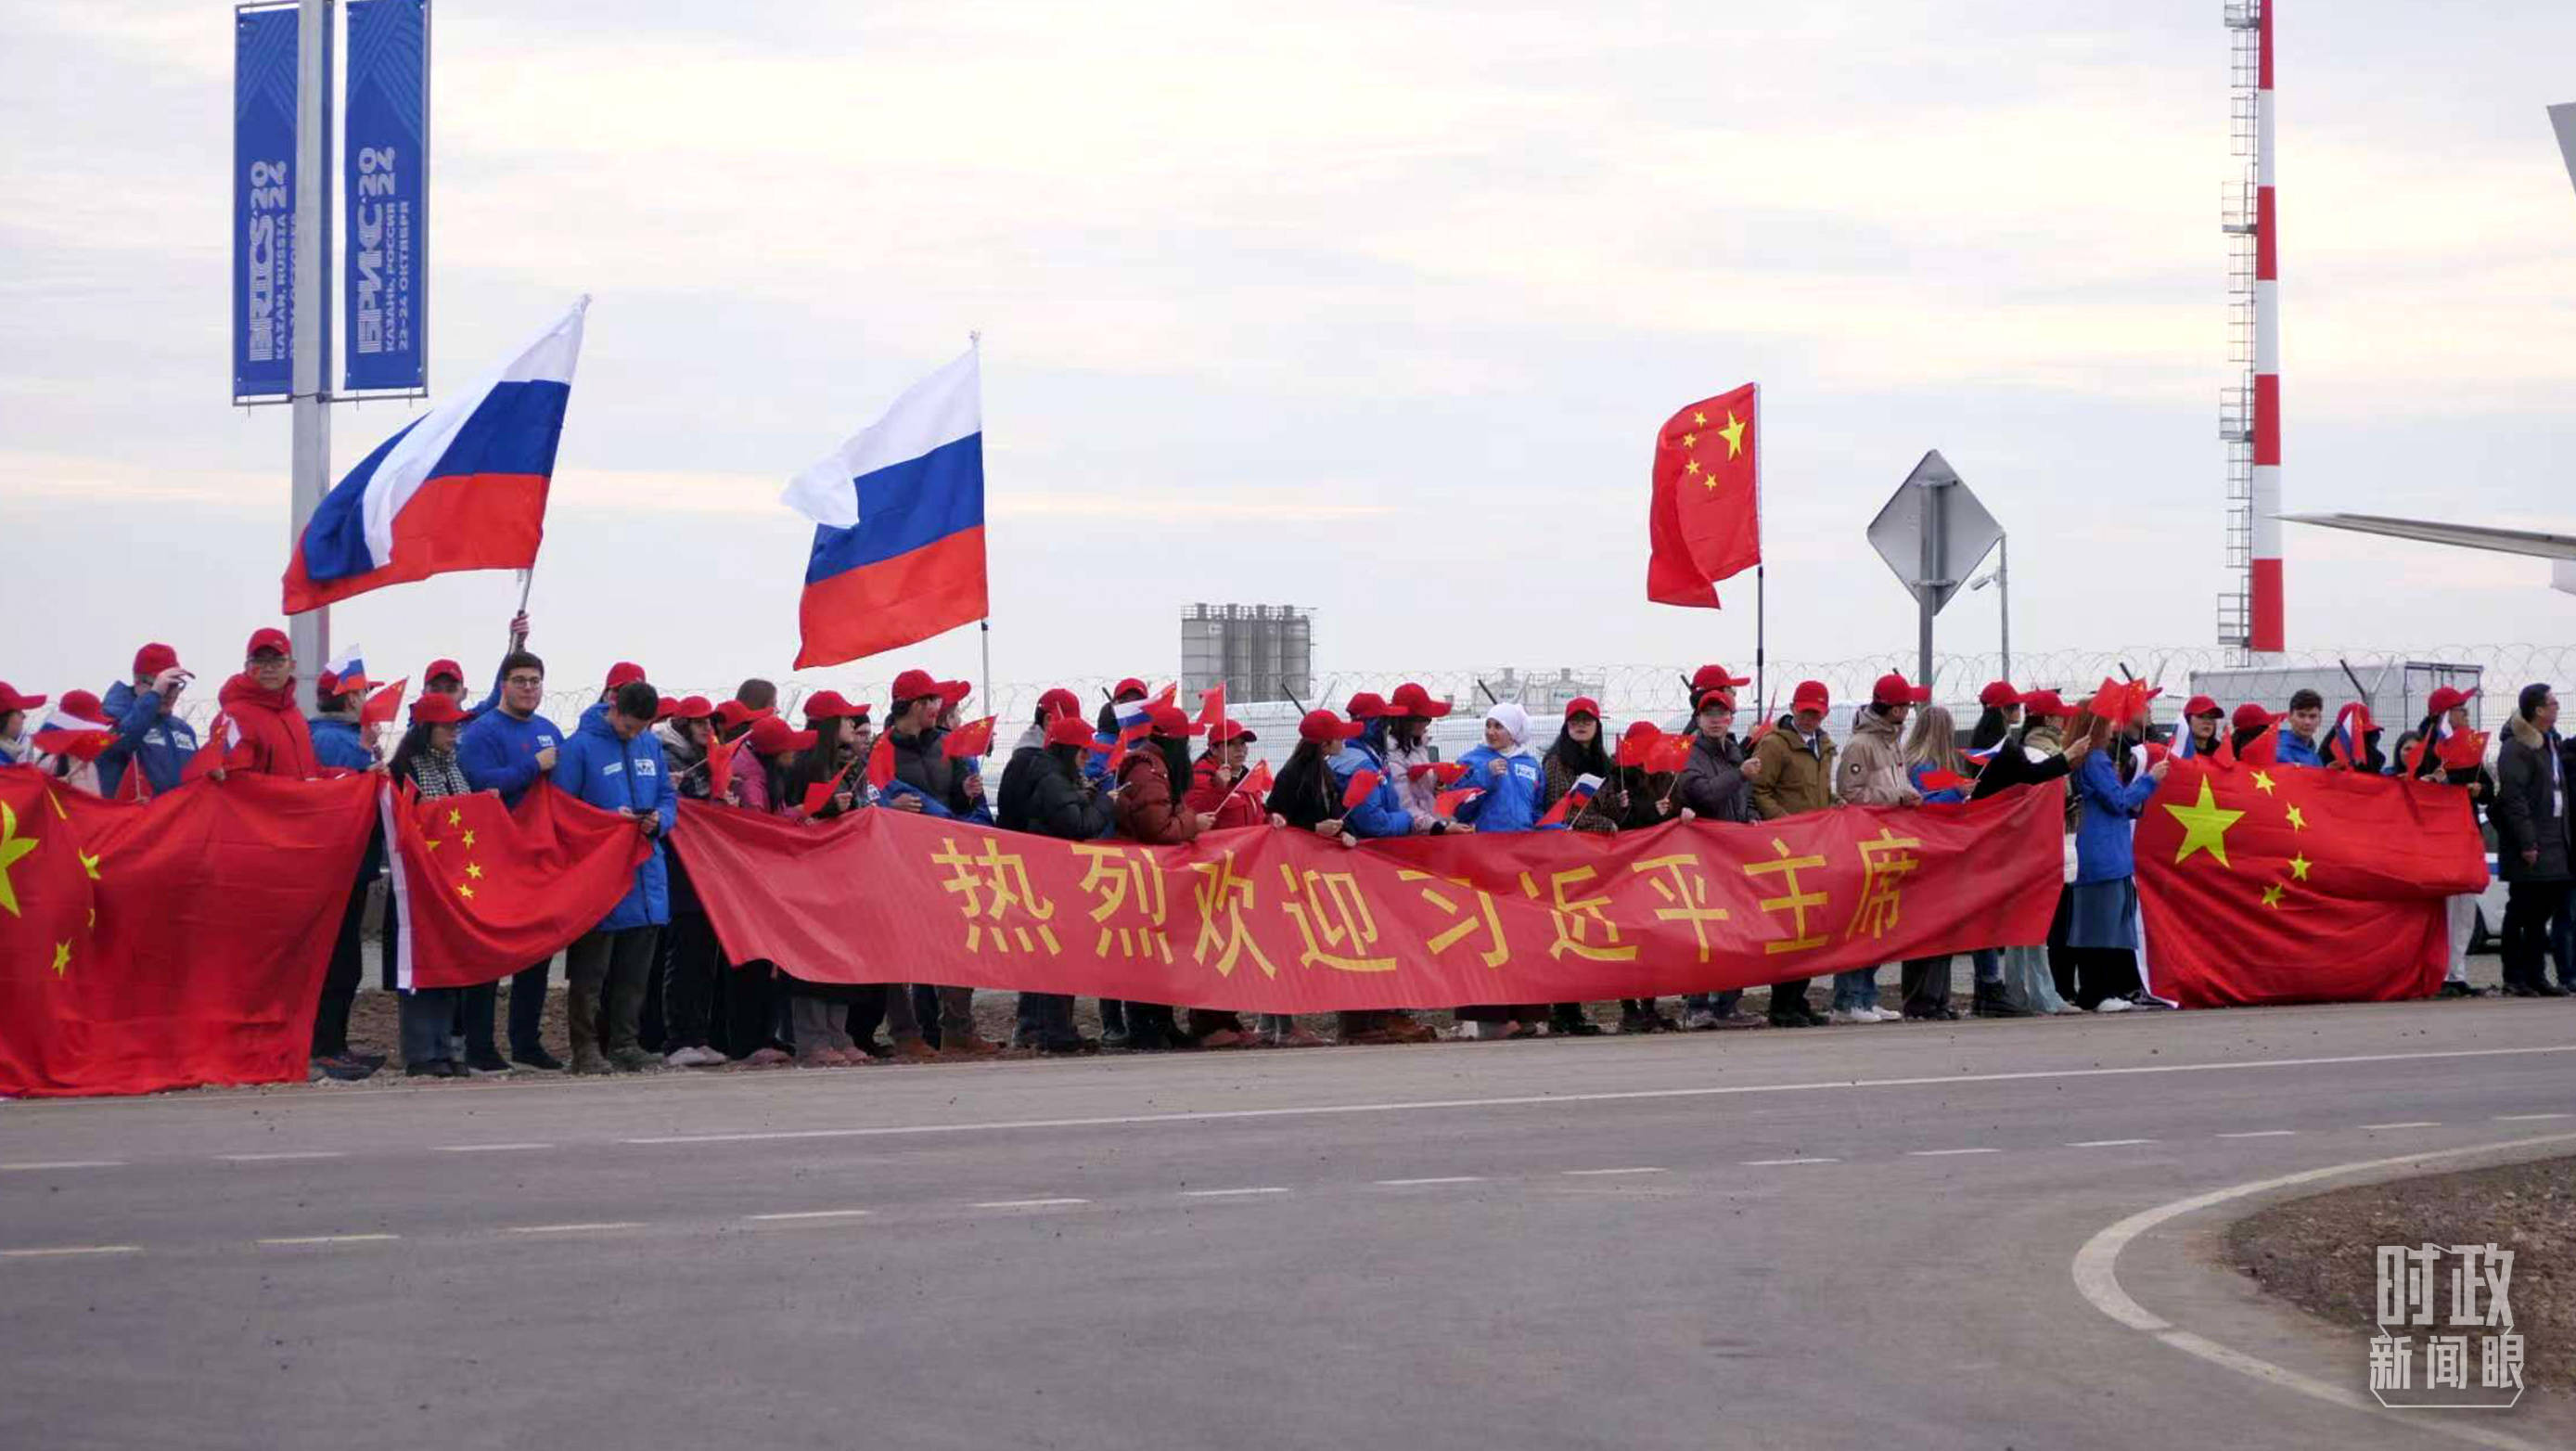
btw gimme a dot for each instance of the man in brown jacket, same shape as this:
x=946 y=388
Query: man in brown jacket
x=1797 y=777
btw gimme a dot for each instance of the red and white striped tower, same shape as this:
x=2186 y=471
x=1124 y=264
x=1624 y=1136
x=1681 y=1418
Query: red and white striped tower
x=2265 y=632
x=2249 y=613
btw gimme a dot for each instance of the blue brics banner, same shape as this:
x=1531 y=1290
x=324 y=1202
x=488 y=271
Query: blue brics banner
x=263 y=186
x=386 y=184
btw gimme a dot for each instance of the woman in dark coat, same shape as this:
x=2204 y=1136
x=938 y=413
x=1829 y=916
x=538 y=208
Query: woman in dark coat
x=2531 y=839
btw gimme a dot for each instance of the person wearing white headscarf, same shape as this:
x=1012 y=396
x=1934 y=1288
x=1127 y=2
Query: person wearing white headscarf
x=1510 y=781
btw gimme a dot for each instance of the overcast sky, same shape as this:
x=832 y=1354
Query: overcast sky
x=1365 y=307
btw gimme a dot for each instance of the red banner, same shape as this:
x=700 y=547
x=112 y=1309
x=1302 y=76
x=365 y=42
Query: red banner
x=485 y=890
x=2264 y=883
x=1269 y=920
x=173 y=942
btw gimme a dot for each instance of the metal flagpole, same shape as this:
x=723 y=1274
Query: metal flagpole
x=1761 y=604
x=309 y=634
x=984 y=627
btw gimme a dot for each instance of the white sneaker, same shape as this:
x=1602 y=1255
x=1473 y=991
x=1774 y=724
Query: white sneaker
x=1882 y=1015
x=1850 y=1015
x=693 y=1057
x=2115 y=1005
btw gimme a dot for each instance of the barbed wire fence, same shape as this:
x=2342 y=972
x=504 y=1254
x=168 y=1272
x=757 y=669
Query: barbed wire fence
x=1658 y=690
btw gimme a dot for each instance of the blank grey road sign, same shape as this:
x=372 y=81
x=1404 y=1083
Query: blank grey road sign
x=1933 y=531
x=2562 y=119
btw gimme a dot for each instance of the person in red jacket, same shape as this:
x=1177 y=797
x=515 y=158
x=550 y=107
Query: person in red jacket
x=1218 y=772
x=262 y=728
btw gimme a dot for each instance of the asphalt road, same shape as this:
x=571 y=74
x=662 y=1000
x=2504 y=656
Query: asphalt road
x=1858 y=1237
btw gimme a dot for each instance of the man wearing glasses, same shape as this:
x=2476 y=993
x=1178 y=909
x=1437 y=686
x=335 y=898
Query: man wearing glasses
x=508 y=749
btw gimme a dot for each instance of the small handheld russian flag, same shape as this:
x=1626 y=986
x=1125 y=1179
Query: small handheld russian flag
x=1576 y=797
x=1364 y=784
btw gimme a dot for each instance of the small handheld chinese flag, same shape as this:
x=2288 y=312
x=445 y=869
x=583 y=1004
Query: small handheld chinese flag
x=1705 y=523
x=383 y=705
x=1212 y=708
x=881 y=762
x=1256 y=783
x=1363 y=785
x=2461 y=750
x=720 y=756
x=1637 y=747
x=1448 y=802
x=1945 y=781
x=1445 y=773
x=975 y=738
x=819 y=795
x=1669 y=755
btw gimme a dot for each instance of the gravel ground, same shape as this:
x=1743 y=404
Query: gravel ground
x=2319 y=1252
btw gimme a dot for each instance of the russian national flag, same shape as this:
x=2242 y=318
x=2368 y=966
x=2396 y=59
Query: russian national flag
x=463 y=486
x=349 y=668
x=1133 y=724
x=1576 y=797
x=899 y=524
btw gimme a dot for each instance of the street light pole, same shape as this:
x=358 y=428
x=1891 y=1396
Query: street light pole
x=309 y=633
x=2001 y=578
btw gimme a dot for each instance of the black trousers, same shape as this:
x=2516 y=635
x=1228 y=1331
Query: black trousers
x=2529 y=908
x=689 y=966
x=340 y=983
x=1927 y=984
x=527 y=1012
x=2099 y=973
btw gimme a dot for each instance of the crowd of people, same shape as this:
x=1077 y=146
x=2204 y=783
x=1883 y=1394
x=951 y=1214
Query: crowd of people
x=650 y=987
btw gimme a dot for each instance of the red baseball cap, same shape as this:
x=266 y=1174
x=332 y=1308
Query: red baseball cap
x=436 y=708
x=271 y=641
x=829 y=705
x=692 y=707
x=1713 y=695
x=154 y=658
x=1069 y=730
x=2449 y=698
x=2200 y=705
x=624 y=672
x=1891 y=689
x=437 y=668
x=83 y=704
x=733 y=713
x=1127 y=687
x=662 y=708
x=1999 y=694
x=1058 y=703
x=955 y=691
x=1368 y=705
x=770 y=735
x=1412 y=700
x=1811 y=693
x=914 y=685
x=1641 y=730
x=1229 y=732
x=1714 y=677
x=1583 y=705
x=1323 y=727
x=2046 y=702
x=10 y=699
x=2252 y=717
x=1171 y=722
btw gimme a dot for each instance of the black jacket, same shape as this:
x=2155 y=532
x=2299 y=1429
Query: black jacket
x=2530 y=811
x=1028 y=762
x=2012 y=766
x=1305 y=793
x=1060 y=803
x=920 y=763
x=1713 y=784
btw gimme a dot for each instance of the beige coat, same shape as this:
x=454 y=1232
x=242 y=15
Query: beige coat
x=1873 y=767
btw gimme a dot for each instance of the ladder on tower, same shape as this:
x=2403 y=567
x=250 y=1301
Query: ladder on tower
x=2236 y=219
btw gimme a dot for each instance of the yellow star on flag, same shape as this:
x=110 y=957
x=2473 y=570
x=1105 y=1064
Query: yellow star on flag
x=1733 y=433
x=88 y=863
x=1690 y=440
x=469 y=839
x=12 y=847
x=474 y=870
x=465 y=891
x=2272 y=895
x=62 y=957
x=2204 y=826
x=2263 y=782
x=433 y=843
x=2298 y=820
x=1699 y=418
x=1692 y=467
x=2299 y=867
x=455 y=818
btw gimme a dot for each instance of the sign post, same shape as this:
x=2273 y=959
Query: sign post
x=310 y=633
x=1932 y=532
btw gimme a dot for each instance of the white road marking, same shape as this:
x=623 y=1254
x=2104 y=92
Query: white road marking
x=1230 y=1193
x=2097 y=1278
x=806 y=1214
x=1543 y=1100
x=283 y=1157
x=2525 y=1118
x=1945 y=1153
x=1774 y=1163
x=1026 y=1203
x=572 y=1228
x=2261 y=1134
x=330 y=1239
x=1601 y=1173
x=2413 y=1123
x=71 y=1249
x=62 y=1164
x=1444 y=1179
x=487 y=1148
x=2107 y=1143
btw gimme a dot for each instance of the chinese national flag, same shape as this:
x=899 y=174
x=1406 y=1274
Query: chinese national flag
x=974 y=739
x=2275 y=884
x=1706 y=522
x=484 y=890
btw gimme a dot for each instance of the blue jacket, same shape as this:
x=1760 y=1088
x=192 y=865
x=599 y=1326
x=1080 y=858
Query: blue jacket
x=2102 y=841
x=336 y=742
x=2296 y=752
x=1383 y=813
x=1509 y=802
x=613 y=775
x=498 y=752
x=144 y=732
